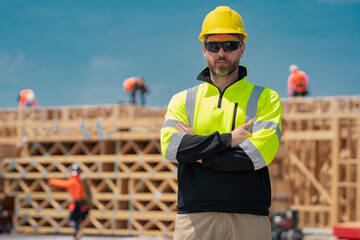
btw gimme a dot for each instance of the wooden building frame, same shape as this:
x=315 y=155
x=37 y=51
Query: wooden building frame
x=316 y=171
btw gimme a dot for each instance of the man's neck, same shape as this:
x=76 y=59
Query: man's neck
x=223 y=81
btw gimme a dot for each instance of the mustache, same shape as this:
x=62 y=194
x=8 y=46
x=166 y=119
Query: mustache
x=221 y=59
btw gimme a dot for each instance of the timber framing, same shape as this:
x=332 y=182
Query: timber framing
x=134 y=189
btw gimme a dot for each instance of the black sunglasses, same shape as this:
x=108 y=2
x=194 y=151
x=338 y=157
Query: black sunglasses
x=227 y=46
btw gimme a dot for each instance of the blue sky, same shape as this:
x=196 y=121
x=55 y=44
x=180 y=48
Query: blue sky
x=79 y=52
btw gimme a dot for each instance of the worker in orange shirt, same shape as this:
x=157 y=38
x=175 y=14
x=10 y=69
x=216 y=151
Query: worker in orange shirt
x=298 y=82
x=134 y=84
x=78 y=207
x=27 y=98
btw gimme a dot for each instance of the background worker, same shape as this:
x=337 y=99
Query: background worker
x=26 y=98
x=223 y=133
x=298 y=82
x=134 y=85
x=78 y=207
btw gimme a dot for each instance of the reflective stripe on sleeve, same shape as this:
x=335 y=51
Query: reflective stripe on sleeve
x=173 y=146
x=251 y=108
x=176 y=137
x=170 y=123
x=268 y=125
x=253 y=154
x=190 y=104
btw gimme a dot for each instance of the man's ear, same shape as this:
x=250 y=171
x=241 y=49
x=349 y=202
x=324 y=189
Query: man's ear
x=204 y=50
x=242 y=50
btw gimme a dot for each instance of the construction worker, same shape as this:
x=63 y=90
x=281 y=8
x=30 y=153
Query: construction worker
x=27 y=98
x=78 y=207
x=133 y=85
x=298 y=82
x=223 y=133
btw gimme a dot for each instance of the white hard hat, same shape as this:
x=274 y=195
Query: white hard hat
x=30 y=97
x=75 y=169
x=293 y=67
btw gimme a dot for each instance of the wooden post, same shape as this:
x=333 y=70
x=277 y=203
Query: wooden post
x=358 y=172
x=334 y=215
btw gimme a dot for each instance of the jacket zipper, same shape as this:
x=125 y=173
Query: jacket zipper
x=221 y=96
x=220 y=99
x=234 y=117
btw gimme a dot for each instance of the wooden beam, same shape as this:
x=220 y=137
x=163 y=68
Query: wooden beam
x=335 y=172
x=357 y=204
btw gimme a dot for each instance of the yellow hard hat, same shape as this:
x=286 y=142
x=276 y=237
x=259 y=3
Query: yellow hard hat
x=223 y=20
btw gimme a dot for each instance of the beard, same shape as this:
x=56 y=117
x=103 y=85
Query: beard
x=223 y=70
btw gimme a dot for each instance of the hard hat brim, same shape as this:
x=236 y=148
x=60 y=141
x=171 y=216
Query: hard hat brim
x=222 y=31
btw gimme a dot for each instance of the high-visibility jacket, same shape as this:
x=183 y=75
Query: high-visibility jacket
x=229 y=179
x=75 y=187
x=298 y=82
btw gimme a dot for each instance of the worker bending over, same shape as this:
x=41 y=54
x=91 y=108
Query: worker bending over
x=27 y=98
x=298 y=82
x=133 y=85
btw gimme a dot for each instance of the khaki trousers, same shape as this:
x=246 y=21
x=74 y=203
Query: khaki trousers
x=221 y=226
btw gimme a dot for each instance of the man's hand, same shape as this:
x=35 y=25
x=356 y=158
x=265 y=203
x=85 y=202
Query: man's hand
x=240 y=134
x=184 y=128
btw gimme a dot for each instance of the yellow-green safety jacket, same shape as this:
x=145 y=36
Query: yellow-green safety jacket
x=234 y=180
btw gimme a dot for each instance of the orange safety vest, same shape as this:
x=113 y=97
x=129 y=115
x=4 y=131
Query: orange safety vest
x=131 y=83
x=298 y=82
x=75 y=187
x=23 y=98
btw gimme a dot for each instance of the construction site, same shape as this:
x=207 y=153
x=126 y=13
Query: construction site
x=316 y=170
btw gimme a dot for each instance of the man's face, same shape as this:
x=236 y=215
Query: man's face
x=223 y=63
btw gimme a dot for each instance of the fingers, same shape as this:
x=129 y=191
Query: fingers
x=248 y=124
x=184 y=128
x=240 y=134
x=188 y=129
x=181 y=127
x=242 y=129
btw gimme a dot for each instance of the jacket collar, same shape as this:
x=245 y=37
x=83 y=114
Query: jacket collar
x=205 y=74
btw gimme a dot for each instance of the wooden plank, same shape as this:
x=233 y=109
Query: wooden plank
x=348 y=185
x=111 y=175
x=129 y=158
x=335 y=170
x=308 y=135
x=357 y=207
x=107 y=214
x=95 y=137
x=320 y=116
x=9 y=141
